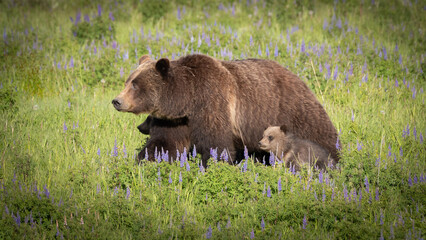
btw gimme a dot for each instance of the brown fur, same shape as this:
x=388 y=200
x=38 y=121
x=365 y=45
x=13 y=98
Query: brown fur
x=294 y=151
x=228 y=103
x=165 y=135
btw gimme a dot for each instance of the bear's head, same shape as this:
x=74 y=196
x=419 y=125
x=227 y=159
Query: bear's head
x=145 y=127
x=273 y=138
x=144 y=87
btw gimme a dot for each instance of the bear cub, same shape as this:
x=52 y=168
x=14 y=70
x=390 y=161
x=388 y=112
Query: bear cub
x=165 y=135
x=294 y=150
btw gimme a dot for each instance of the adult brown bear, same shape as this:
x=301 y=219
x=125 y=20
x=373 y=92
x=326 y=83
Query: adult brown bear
x=228 y=103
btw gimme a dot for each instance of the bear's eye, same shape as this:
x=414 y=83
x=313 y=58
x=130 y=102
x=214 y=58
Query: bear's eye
x=270 y=138
x=134 y=86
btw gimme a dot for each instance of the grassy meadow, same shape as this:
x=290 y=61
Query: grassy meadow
x=67 y=157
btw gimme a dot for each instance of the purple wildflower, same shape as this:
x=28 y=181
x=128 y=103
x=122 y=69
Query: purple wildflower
x=188 y=168
x=367 y=184
x=77 y=18
x=111 y=16
x=262 y=224
x=228 y=224
x=259 y=51
x=245 y=166
x=86 y=18
x=335 y=72
x=99 y=10
x=320 y=177
x=268 y=193
x=224 y=155
x=65 y=127
x=213 y=153
x=276 y=51
x=305 y=222
x=170 y=178
x=127 y=193
x=302 y=46
x=272 y=159
x=180 y=177
x=252 y=234
x=209 y=233
x=178 y=15
x=377 y=194
x=279 y=185
x=194 y=152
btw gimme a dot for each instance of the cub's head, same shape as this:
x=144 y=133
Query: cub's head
x=273 y=138
x=142 y=89
x=145 y=127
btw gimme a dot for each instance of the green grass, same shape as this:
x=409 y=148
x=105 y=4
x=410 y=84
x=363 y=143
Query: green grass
x=67 y=183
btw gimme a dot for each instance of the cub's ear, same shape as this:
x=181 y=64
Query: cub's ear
x=283 y=128
x=163 y=66
x=143 y=59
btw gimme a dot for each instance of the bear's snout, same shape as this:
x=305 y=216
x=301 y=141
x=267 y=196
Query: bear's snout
x=117 y=103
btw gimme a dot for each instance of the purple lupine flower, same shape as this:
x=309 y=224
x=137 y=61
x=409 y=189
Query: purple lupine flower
x=99 y=10
x=180 y=177
x=194 y=152
x=77 y=17
x=279 y=185
x=115 y=149
x=86 y=18
x=178 y=15
x=246 y=156
x=268 y=193
x=389 y=151
x=262 y=224
x=320 y=177
x=146 y=154
x=335 y=72
x=188 y=168
x=302 y=46
x=323 y=195
x=170 y=178
x=339 y=23
x=127 y=193
x=71 y=62
x=320 y=68
x=377 y=194
x=327 y=67
x=111 y=16
x=244 y=169
x=124 y=150
x=209 y=233
x=252 y=234
x=385 y=55
x=271 y=159
x=305 y=222
x=46 y=191
x=421 y=138
x=400 y=151
x=259 y=51
x=276 y=51
x=367 y=184
x=410 y=181
x=213 y=153
x=345 y=193
x=325 y=24
x=224 y=155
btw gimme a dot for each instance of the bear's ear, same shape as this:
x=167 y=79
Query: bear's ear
x=143 y=59
x=162 y=66
x=283 y=128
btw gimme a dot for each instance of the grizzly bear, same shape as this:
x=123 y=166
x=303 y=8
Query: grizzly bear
x=294 y=151
x=165 y=136
x=228 y=103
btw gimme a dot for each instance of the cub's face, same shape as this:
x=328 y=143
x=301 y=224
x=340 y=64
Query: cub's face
x=142 y=88
x=271 y=139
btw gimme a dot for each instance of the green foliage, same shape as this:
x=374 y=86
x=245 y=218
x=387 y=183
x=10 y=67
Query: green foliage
x=97 y=28
x=153 y=10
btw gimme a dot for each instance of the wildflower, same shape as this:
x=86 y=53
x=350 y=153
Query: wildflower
x=111 y=17
x=127 y=193
x=224 y=155
x=86 y=18
x=377 y=194
x=367 y=185
x=268 y=194
x=228 y=224
x=180 y=177
x=262 y=224
x=279 y=185
x=99 y=10
x=259 y=51
x=213 y=153
x=305 y=222
x=46 y=191
x=244 y=169
x=271 y=159
x=320 y=177
x=252 y=234
x=302 y=46
x=276 y=51
x=188 y=168
x=65 y=127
